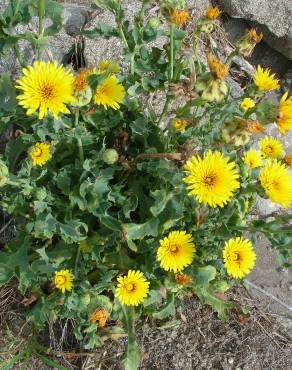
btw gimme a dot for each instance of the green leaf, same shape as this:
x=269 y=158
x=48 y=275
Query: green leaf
x=167 y=310
x=161 y=198
x=7 y=94
x=205 y=274
x=221 y=307
x=110 y=222
x=13 y=150
x=139 y=231
x=71 y=232
x=54 y=11
x=266 y=112
x=103 y=30
x=153 y=299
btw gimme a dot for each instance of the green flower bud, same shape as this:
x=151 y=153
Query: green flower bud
x=41 y=194
x=83 y=97
x=110 y=156
x=3 y=173
x=154 y=22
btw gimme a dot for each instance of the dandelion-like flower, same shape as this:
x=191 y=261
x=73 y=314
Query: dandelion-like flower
x=40 y=154
x=179 y=124
x=276 y=179
x=212 y=179
x=100 y=316
x=110 y=93
x=270 y=147
x=212 y=12
x=252 y=158
x=247 y=103
x=219 y=70
x=108 y=66
x=132 y=289
x=45 y=86
x=183 y=279
x=63 y=280
x=239 y=257
x=176 y=251
x=265 y=80
x=179 y=17
x=285 y=114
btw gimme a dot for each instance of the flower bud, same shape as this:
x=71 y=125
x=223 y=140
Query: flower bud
x=154 y=22
x=110 y=156
x=216 y=90
x=41 y=194
x=247 y=43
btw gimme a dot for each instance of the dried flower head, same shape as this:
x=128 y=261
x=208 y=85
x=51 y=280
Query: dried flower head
x=213 y=12
x=288 y=159
x=252 y=35
x=254 y=126
x=179 y=17
x=219 y=70
x=183 y=279
x=99 y=316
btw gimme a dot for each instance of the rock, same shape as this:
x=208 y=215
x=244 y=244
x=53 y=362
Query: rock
x=75 y=17
x=287 y=81
x=273 y=18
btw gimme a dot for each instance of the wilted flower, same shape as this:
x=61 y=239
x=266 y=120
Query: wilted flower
x=179 y=17
x=219 y=70
x=212 y=12
x=247 y=43
x=100 y=316
x=288 y=160
x=183 y=279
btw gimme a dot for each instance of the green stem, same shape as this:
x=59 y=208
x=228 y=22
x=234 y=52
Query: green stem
x=18 y=56
x=13 y=183
x=133 y=63
x=76 y=261
x=123 y=37
x=41 y=13
x=166 y=105
x=79 y=141
x=171 y=51
x=230 y=57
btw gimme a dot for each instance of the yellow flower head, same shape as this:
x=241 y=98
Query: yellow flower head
x=100 y=316
x=288 y=160
x=40 y=154
x=213 y=12
x=239 y=257
x=108 y=66
x=63 y=280
x=247 y=103
x=253 y=37
x=276 y=179
x=179 y=17
x=132 y=289
x=264 y=80
x=46 y=86
x=285 y=114
x=110 y=93
x=179 y=124
x=212 y=179
x=252 y=158
x=219 y=70
x=270 y=147
x=182 y=279
x=176 y=251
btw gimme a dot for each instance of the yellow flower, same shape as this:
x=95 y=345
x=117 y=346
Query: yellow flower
x=179 y=17
x=179 y=124
x=108 y=66
x=176 y=251
x=270 y=147
x=46 y=86
x=239 y=257
x=213 y=12
x=63 y=280
x=212 y=179
x=40 y=154
x=132 y=289
x=247 y=103
x=110 y=93
x=252 y=158
x=264 y=80
x=99 y=316
x=276 y=179
x=288 y=160
x=285 y=114
x=219 y=70
x=182 y=279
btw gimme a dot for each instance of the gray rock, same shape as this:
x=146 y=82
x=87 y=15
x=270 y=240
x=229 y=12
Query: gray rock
x=75 y=17
x=287 y=81
x=273 y=18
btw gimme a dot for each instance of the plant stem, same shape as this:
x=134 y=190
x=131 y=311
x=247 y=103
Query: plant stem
x=79 y=141
x=230 y=57
x=171 y=52
x=166 y=104
x=174 y=156
x=76 y=260
x=123 y=37
x=41 y=12
x=18 y=56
